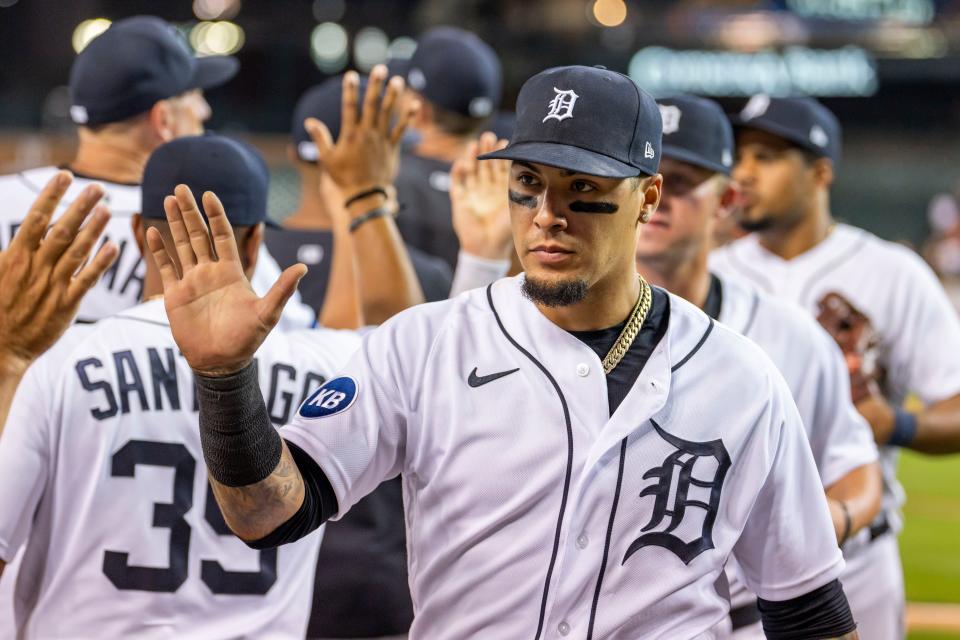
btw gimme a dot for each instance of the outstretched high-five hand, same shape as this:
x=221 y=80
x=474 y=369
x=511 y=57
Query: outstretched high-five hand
x=216 y=318
x=367 y=151
x=478 y=199
x=45 y=273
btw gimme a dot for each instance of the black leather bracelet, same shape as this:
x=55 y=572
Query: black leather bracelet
x=365 y=194
x=379 y=212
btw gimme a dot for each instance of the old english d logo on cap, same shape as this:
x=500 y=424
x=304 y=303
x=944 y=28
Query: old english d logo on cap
x=561 y=107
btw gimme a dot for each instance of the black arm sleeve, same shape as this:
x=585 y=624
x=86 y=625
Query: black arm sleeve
x=240 y=445
x=822 y=613
x=319 y=504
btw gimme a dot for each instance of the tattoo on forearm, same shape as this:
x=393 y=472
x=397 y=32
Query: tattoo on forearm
x=255 y=510
x=530 y=202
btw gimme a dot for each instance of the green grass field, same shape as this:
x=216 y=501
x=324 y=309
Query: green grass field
x=930 y=542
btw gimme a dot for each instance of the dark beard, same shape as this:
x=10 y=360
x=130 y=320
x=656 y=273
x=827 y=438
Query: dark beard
x=558 y=293
x=762 y=224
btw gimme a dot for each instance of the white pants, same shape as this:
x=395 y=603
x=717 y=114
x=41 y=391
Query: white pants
x=873 y=582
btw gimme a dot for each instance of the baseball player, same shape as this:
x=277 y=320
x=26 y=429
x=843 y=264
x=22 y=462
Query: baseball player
x=102 y=441
x=133 y=88
x=672 y=252
x=457 y=78
x=562 y=436
x=880 y=301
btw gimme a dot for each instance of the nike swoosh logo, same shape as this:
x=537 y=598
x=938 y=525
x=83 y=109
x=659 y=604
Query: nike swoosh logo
x=478 y=381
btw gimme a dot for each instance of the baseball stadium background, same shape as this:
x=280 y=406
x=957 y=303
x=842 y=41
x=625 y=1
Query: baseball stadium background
x=890 y=69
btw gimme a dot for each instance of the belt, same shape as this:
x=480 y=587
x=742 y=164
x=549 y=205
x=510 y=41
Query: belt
x=744 y=616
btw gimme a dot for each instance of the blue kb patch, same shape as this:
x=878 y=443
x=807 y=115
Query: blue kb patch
x=333 y=397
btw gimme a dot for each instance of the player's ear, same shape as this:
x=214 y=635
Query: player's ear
x=139 y=233
x=161 y=121
x=729 y=196
x=651 y=191
x=425 y=115
x=250 y=248
x=823 y=171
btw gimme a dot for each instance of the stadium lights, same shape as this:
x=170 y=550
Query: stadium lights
x=216 y=9
x=87 y=30
x=370 y=48
x=328 y=47
x=610 y=13
x=216 y=38
x=402 y=48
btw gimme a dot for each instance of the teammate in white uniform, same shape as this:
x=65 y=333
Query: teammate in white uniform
x=101 y=459
x=672 y=252
x=133 y=88
x=542 y=494
x=786 y=155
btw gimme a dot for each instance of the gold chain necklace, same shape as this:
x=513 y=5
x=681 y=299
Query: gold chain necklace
x=631 y=329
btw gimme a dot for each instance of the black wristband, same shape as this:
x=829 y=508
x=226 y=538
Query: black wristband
x=379 y=212
x=904 y=428
x=365 y=194
x=240 y=444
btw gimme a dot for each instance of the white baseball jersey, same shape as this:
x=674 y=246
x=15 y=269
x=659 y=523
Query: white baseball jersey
x=918 y=328
x=532 y=512
x=813 y=367
x=104 y=480
x=122 y=286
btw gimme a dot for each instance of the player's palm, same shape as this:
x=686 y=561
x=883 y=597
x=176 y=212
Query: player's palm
x=217 y=320
x=478 y=199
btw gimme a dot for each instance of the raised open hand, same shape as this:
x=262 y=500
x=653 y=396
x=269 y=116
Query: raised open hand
x=43 y=277
x=478 y=198
x=216 y=318
x=367 y=152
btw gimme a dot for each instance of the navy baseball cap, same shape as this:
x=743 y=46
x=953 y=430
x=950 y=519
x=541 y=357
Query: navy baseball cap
x=697 y=131
x=133 y=64
x=322 y=102
x=233 y=170
x=586 y=119
x=456 y=70
x=801 y=121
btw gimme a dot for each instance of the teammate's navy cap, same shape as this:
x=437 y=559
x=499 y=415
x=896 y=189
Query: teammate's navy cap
x=697 y=131
x=456 y=70
x=233 y=170
x=586 y=119
x=802 y=121
x=135 y=63
x=322 y=102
